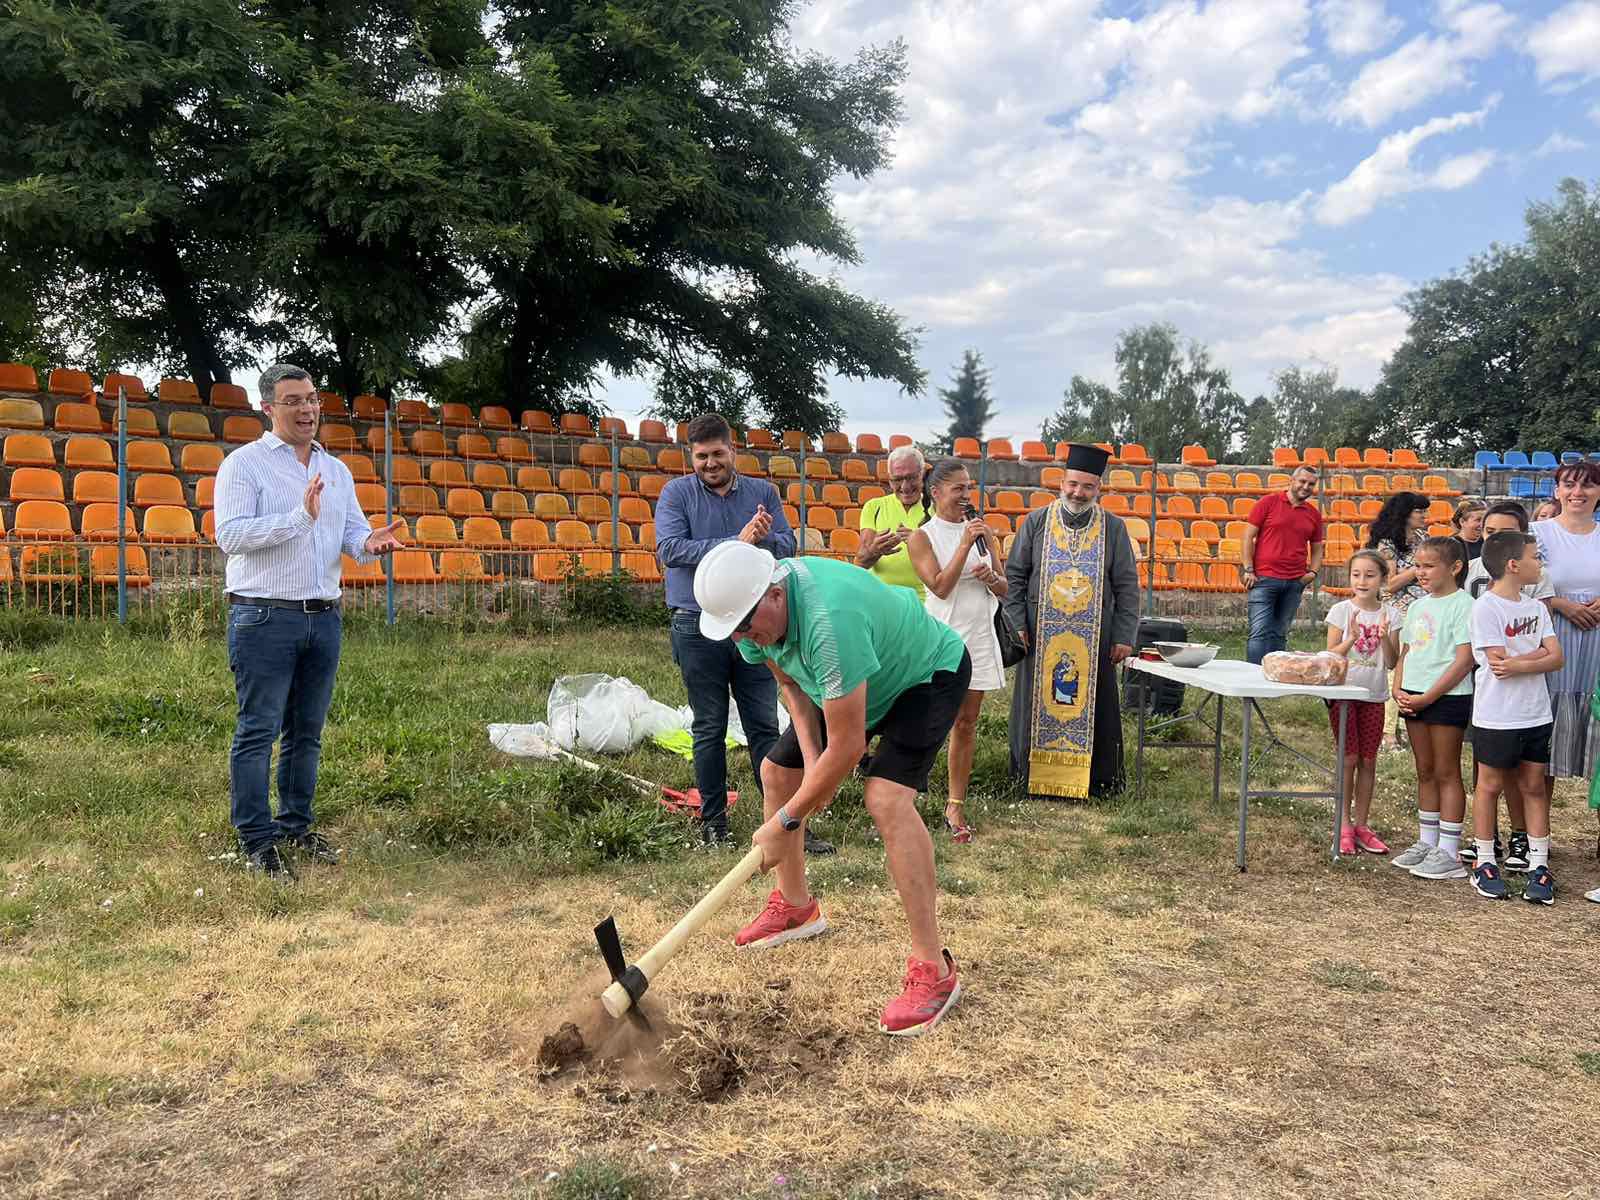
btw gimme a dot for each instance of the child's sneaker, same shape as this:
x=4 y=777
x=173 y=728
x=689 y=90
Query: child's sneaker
x=1516 y=858
x=782 y=922
x=1439 y=865
x=1410 y=858
x=1486 y=880
x=1468 y=854
x=1347 y=841
x=1541 y=887
x=1594 y=895
x=924 y=1001
x=1370 y=842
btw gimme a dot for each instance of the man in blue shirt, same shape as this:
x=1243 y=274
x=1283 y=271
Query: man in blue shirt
x=695 y=513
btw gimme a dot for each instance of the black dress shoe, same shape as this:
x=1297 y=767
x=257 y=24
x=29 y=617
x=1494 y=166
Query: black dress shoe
x=815 y=845
x=268 y=861
x=314 y=846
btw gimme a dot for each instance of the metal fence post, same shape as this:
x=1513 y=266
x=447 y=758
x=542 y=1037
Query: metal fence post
x=983 y=465
x=616 y=502
x=122 y=505
x=804 y=440
x=388 y=508
x=1150 y=547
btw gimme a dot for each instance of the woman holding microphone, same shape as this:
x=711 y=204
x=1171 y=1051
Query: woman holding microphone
x=957 y=559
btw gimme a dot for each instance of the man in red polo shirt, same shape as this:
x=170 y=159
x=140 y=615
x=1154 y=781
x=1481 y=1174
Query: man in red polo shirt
x=1282 y=552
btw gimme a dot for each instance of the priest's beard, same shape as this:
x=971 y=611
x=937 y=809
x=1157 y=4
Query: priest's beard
x=1077 y=508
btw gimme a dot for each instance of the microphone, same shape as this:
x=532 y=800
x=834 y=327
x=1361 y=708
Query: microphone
x=971 y=514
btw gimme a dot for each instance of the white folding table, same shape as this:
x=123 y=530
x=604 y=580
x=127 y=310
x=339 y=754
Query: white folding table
x=1223 y=679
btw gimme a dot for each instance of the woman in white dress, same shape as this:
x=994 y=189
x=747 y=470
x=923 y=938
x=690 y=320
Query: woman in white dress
x=957 y=557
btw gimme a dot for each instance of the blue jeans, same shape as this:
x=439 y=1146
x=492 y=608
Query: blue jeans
x=709 y=670
x=283 y=664
x=1271 y=607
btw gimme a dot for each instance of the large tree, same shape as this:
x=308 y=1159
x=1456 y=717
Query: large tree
x=967 y=401
x=1090 y=412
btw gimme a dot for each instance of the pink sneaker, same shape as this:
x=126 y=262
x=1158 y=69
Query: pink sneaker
x=1369 y=841
x=782 y=922
x=925 y=1000
x=1347 y=840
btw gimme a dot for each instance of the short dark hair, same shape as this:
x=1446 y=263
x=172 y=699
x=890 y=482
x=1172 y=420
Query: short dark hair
x=1304 y=467
x=709 y=427
x=1584 y=472
x=276 y=374
x=1509 y=508
x=1502 y=548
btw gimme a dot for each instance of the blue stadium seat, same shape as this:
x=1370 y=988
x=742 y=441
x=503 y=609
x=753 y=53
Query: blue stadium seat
x=1521 y=487
x=1513 y=460
x=1543 y=460
x=1594 y=456
x=1568 y=457
x=1544 y=488
x=1486 y=460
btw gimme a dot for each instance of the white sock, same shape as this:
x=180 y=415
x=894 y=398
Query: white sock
x=1450 y=837
x=1428 y=825
x=1538 y=852
x=1485 y=852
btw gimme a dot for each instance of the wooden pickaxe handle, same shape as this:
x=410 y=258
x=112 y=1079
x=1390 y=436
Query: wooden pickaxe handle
x=616 y=998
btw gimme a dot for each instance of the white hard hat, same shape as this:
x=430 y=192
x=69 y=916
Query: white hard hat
x=729 y=581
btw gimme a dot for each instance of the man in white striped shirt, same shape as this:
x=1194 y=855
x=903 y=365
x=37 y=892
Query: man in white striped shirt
x=286 y=510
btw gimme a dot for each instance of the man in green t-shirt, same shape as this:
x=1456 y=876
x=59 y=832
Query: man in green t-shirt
x=854 y=659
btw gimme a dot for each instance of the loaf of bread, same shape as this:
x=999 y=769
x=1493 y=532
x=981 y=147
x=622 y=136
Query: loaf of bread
x=1314 y=670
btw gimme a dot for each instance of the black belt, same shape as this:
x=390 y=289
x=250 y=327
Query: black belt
x=309 y=606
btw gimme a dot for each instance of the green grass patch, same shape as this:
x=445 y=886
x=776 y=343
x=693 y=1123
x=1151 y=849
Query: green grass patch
x=1348 y=977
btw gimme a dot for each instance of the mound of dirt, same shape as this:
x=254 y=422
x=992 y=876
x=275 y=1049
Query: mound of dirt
x=561 y=1049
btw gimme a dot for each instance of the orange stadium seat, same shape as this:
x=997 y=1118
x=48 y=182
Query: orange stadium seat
x=1181 y=507
x=642 y=566
x=513 y=450
x=231 y=395
x=671 y=461
x=475 y=446
x=428 y=443
x=494 y=416
x=457 y=416
x=509 y=505
x=41 y=520
x=446 y=474
x=615 y=425
x=760 y=439
x=573 y=534
x=170 y=523
x=1408 y=459
x=1376 y=458
x=489 y=476
x=650 y=486
x=78 y=418
x=36 y=483
x=177 y=391
x=607 y=485
x=241 y=430
x=1000 y=450
x=484 y=533
x=869 y=443
x=966 y=447
x=534 y=479
x=405 y=469
x=151 y=490
x=18 y=377
x=1196 y=456
x=333 y=405
x=1316 y=456
x=413 y=412
x=205 y=490
x=462 y=566
x=575 y=481
x=819 y=468
x=1132 y=454
x=1286 y=458
x=24 y=414
x=367 y=407
x=436 y=530
x=796 y=440
x=103 y=566
x=91 y=453
x=576 y=425
x=854 y=470
x=413 y=566
x=593 y=508
x=130 y=384
x=551 y=506
x=526 y=531
x=594 y=456
x=48 y=564
x=465 y=502
x=537 y=421
x=1036 y=452
x=66 y=382
x=361 y=468
x=780 y=466
x=29 y=450
x=1113 y=502
x=749 y=465
x=190 y=427
x=198 y=459
x=1347 y=456
x=90 y=487
x=372 y=497
x=634 y=458
x=835 y=443
x=633 y=510
x=654 y=432
x=417 y=499
x=624 y=538
x=358 y=575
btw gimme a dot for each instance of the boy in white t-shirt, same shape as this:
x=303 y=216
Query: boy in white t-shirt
x=1514 y=643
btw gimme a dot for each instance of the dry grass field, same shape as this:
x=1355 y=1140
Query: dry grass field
x=1139 y=1020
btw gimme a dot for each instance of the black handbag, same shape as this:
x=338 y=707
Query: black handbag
x=1012 y=651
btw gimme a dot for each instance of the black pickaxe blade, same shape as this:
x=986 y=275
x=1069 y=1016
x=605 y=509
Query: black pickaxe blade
x=631 y=978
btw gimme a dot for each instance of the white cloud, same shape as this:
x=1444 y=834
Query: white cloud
x=1559 y=143
x=1387 y=171
x=1355 y=27
x=1565 y=46
x=1428 y=65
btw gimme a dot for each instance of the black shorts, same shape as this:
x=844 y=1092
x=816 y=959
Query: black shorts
x=1503 y=749
x=1446 y=710
x=910 y=734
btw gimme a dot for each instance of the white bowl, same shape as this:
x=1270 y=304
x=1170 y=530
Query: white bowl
x=1186 y=654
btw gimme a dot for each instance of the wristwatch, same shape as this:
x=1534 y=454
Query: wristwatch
x=790 y=824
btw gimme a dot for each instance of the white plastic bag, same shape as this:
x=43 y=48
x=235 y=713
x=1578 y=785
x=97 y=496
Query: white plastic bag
x=606 y=715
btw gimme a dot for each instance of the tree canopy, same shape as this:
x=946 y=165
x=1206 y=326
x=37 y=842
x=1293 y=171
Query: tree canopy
x=967 y=401
x=449 y=194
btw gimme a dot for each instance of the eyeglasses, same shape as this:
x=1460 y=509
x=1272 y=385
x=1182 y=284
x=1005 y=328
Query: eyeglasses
x=297 y=402
x=899 y=479
x=744 y=625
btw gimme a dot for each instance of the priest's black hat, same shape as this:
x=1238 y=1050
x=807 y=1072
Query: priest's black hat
x=1090 y=459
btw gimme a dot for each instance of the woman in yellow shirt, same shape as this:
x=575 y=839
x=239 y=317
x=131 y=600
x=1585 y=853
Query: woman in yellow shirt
x=888 y=521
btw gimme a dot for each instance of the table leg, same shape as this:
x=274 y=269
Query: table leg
x=1144 y=709
x=1216 y=753
x=1244 y=778
x=1339 y=798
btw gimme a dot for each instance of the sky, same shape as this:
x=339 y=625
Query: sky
x=1270 y=176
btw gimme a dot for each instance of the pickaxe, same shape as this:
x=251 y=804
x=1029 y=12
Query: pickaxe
x=629 y=983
